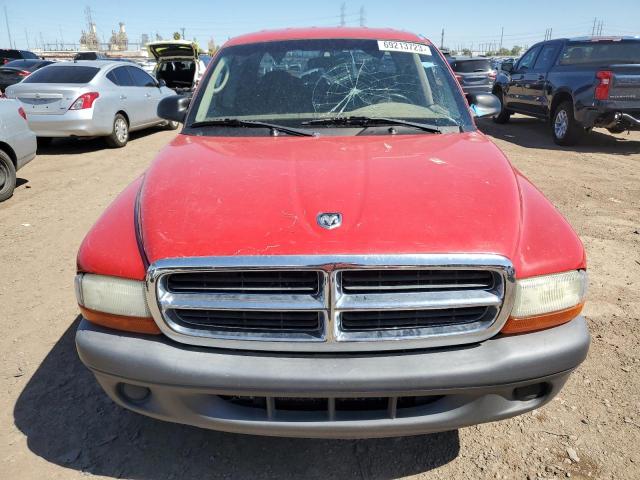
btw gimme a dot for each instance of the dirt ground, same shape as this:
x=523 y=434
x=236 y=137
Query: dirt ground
x=56 y=423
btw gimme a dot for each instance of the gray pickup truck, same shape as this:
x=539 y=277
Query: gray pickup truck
x=577 y=84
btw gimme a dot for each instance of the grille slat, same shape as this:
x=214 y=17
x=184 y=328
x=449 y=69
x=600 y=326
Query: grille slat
x=386 y=320
x=254 y=282
x=250 y=320
x=378 y=281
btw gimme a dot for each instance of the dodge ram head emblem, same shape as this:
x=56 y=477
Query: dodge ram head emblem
x=329 y=220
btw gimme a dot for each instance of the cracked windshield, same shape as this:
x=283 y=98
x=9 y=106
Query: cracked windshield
x=293 y=82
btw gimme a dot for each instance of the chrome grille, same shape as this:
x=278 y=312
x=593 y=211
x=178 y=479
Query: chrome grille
x=331 y=304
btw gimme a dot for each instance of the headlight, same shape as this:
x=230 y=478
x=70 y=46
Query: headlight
x=114 y=302
x=547 y=301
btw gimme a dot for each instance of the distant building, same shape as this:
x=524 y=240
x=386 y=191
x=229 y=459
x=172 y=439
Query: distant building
x=89 y=40
x=119 y=40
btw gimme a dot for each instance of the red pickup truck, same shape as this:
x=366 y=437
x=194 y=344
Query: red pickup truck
x=331 y=248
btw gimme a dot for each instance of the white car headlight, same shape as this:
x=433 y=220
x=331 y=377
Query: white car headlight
x=114 y=302
x=547 y=301
x=117 y=296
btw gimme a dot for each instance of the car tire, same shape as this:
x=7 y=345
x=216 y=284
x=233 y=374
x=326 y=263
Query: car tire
x=504 y=115
x=120 y=134
x=7 y=176
x=565 y=129
x=172 y=125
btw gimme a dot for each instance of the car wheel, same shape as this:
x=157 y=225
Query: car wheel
x=120 y=134
x=564 y=127
x=504 y=115
x=7 y=176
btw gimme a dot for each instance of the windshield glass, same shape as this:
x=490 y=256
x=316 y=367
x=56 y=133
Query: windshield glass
x=601 y=53
x=290 y=82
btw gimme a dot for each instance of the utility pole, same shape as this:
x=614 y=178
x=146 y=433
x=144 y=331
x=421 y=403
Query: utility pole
x=343 y=14
x=6 y=19
x=593 y=30
x=61 y=37
x=363 y=16
x=501 y=37
x=442 y=39
x=26 y=35
x=183 y=37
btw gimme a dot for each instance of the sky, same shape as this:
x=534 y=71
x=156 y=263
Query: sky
x=466 y=23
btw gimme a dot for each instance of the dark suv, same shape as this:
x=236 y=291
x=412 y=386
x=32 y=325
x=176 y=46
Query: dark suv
x=576 y=84
x=474 y=74
x=7 y=55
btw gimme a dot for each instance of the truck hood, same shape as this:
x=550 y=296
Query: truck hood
x=213 y=196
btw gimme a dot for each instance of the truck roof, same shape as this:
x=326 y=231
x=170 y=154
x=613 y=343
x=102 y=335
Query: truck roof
x=326 y=33
x=597 y=39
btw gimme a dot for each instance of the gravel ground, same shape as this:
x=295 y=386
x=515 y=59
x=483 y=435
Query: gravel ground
x=56 y=423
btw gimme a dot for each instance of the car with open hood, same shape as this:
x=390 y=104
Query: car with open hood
x=330 y=248
x=178 y=63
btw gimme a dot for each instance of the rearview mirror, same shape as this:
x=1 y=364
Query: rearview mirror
x=174 y=108
x=507 y=66
x=484 y=105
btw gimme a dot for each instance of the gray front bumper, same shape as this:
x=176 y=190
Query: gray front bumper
x=473 y=384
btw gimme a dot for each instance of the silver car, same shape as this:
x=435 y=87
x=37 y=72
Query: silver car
x=91 y=99
x=17 y=145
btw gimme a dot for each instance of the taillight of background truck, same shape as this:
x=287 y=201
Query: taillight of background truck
x=604 y=84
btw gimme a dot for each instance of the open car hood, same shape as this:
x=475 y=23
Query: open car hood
x=173 y=49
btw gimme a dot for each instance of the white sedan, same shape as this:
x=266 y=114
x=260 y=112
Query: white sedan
x=17 y=145
x=91 y=99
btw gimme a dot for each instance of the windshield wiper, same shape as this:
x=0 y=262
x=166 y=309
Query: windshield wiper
x=371 y=122
x=237 y=123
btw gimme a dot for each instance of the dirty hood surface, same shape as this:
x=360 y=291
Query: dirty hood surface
x=210 y=196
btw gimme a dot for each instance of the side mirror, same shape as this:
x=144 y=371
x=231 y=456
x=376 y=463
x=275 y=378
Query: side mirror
x=507 y=66
x=174 y=108
x=162 y=83
x=484 y=105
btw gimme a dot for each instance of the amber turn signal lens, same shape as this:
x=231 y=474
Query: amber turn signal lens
x=540 y=322
x=121 y=322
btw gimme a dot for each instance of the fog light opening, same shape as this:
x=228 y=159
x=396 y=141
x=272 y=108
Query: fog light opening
x=133 y=393
x=531 y=392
